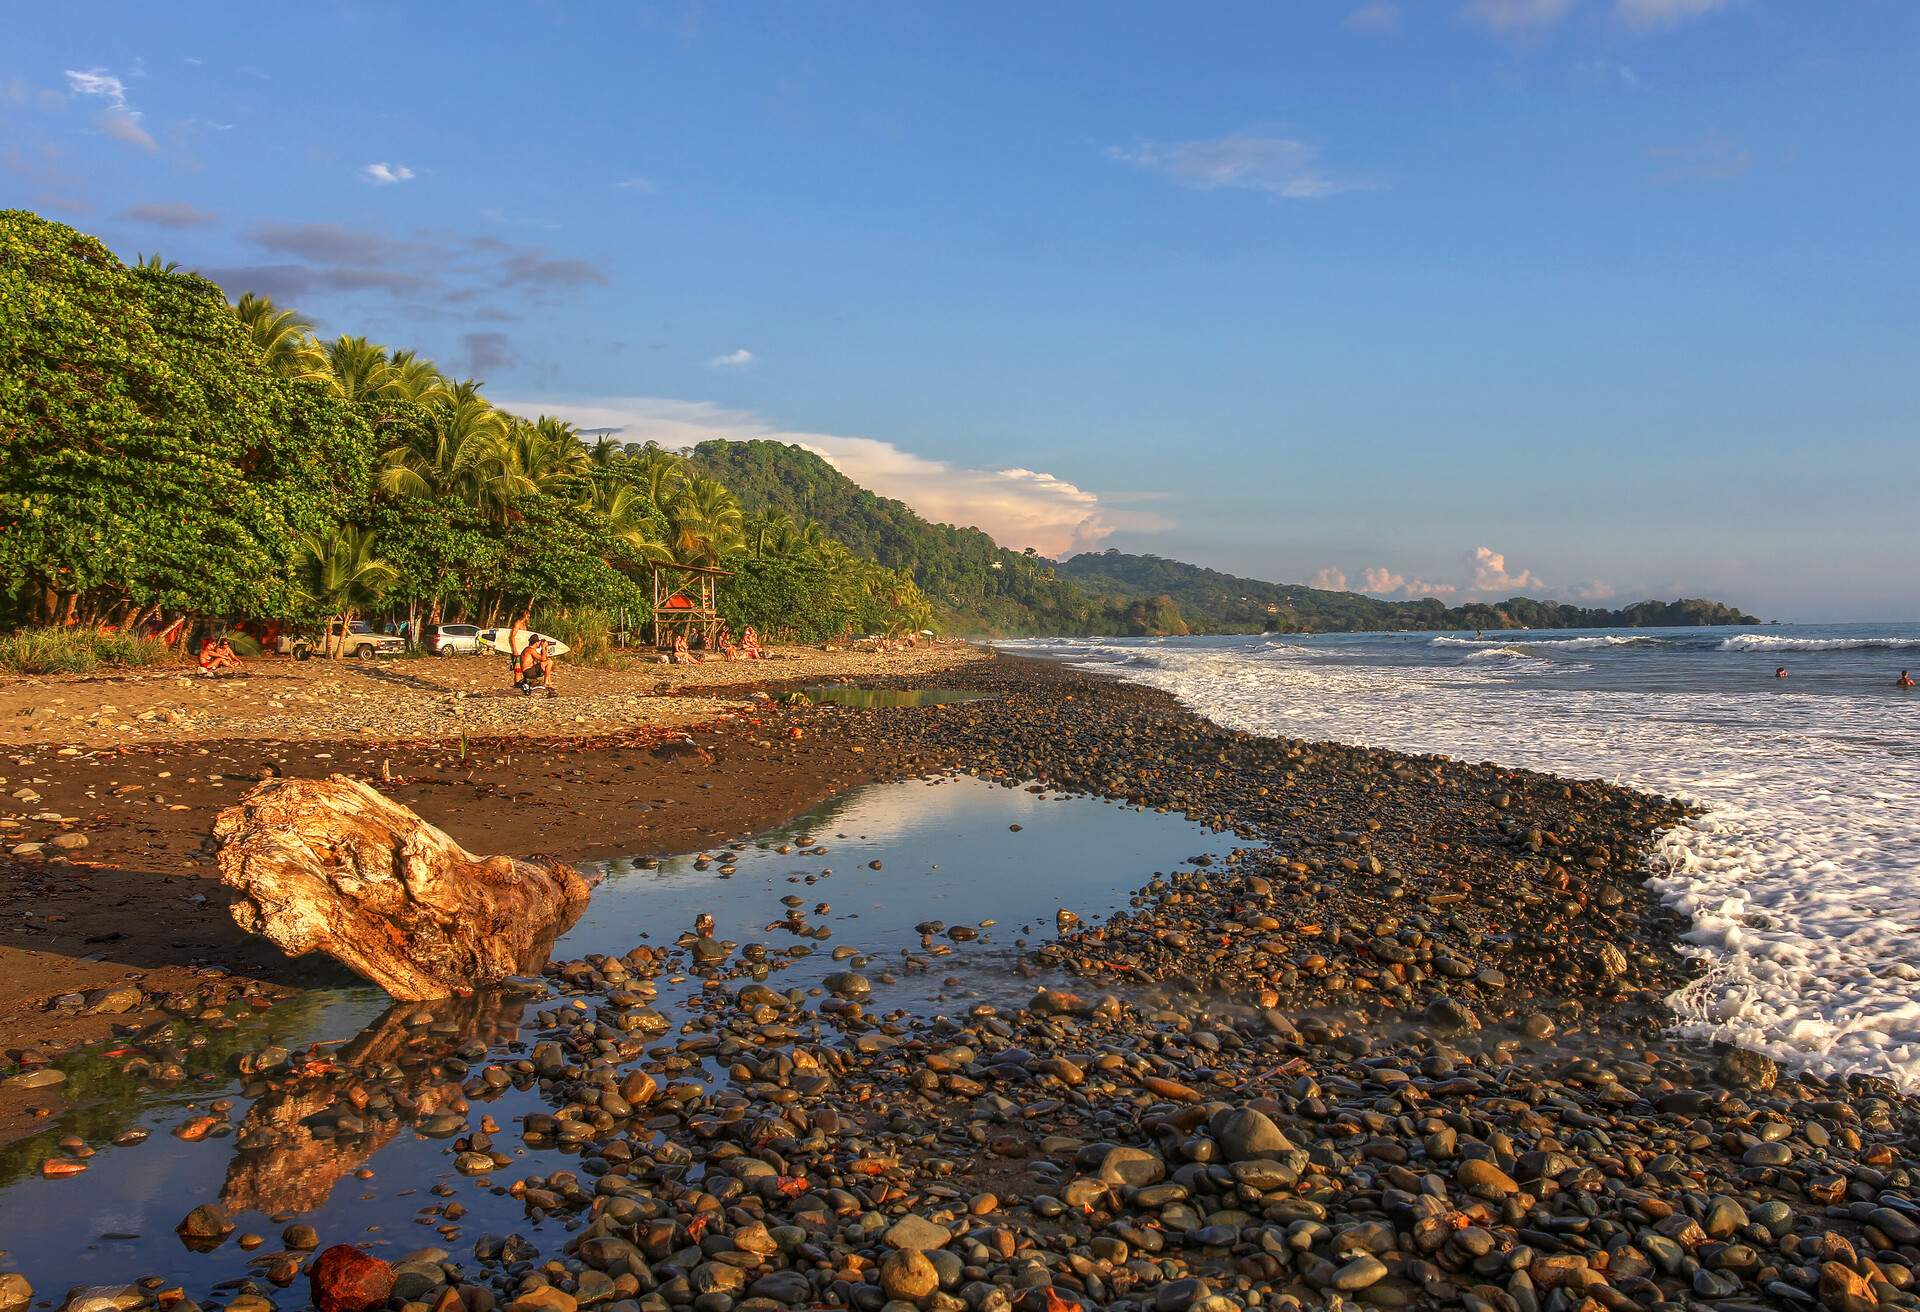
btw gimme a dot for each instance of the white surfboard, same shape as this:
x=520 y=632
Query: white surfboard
x=501 y=640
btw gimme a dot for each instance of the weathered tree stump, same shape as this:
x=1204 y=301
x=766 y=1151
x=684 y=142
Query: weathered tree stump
x=330 y=865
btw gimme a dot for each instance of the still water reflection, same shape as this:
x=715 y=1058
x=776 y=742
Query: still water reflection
x=341 y=1109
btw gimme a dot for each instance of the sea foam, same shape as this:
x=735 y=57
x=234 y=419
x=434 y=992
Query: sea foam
x=1801 y=879
x=1768 y=642
x=1566 y=644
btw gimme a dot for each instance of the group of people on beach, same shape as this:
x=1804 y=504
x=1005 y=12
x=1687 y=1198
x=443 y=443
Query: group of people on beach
x=747 y=649
x=217 y=656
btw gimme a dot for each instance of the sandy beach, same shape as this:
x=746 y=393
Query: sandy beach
x=415 y=698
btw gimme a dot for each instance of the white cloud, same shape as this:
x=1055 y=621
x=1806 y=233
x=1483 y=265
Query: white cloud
x=1279 y=166
x=1594 y=591
x=118 y=120
x=1649 y=14
x=734 y=359
x=98 y=82
x=385 y=175
x=642 y=185
x=1378 y=16
x=1516 y=15
x=1490 y=574
x=1491 y=577
x=1018 y=507
x=1386 y=583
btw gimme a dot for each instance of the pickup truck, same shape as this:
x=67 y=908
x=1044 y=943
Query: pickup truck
x=360 y=642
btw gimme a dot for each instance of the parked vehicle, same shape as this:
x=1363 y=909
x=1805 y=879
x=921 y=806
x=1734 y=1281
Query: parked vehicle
x=359 y=641
x=455 y=640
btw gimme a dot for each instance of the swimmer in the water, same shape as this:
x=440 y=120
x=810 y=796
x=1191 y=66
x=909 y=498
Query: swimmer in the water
x=1780 y=673
x=1904 y=681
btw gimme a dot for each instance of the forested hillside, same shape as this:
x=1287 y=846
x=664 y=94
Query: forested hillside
x=1212 y=602
x=975 y=585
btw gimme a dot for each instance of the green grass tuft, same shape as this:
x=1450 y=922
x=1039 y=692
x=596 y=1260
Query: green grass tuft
x=73 y=651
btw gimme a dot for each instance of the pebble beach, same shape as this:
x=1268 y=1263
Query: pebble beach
x=1363 y=1027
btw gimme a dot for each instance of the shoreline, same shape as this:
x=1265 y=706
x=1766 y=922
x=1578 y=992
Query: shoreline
x=1406 y=1041
x=146 y=812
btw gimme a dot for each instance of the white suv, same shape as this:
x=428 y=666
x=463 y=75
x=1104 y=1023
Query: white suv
x=455 y=640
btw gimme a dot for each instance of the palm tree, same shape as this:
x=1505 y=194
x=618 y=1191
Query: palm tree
x=606 y=452
x=415 y=379
x=360 y=367
x=706 y=522
x=629 y=519
x=660 y=478
x=285 y=340
x=544 y=456
x=339 y=573
x=459 y=456
x=775 y=536
x=155 y=264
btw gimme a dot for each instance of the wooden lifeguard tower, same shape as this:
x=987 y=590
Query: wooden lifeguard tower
x=685 y=601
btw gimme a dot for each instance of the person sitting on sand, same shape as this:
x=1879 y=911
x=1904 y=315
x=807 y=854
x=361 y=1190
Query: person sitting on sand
x=1904 y=681
x=523 y=664
x=217 y=654
x=750 y=645
x=537 y=669
x=682 y=653
x=723 y=643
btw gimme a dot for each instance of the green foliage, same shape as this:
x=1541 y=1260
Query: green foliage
x=588 y=633
x=164 y=452
x=147 y=458
x=1212 y=602
x=972 y=584
x=1148 y=617
x=76 y=651
x=339 y=573
x=813 y=600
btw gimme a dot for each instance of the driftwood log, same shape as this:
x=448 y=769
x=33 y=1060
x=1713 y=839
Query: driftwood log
x=330 y=865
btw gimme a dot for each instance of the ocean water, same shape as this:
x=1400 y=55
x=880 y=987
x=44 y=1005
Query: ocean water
x=1802 y=877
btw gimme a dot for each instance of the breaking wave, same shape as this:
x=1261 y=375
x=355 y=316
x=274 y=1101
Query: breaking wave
x=1801 y=878
x=1768 y=642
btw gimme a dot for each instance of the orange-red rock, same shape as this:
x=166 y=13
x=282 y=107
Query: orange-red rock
x=346 y=1279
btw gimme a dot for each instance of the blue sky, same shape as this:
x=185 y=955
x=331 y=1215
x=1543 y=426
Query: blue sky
x=1599 y=298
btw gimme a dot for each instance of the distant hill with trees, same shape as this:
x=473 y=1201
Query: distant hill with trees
x=1212 y=602
x=977 y=586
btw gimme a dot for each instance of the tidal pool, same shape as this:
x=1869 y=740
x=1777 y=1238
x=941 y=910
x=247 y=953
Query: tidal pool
x=355 y=1146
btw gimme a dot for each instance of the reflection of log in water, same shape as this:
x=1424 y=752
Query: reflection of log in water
x=388 y=1076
